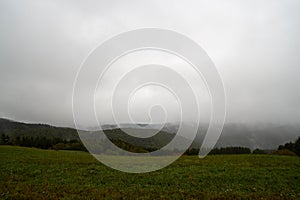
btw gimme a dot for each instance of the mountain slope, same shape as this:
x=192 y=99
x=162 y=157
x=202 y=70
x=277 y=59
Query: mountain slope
x=263 y=136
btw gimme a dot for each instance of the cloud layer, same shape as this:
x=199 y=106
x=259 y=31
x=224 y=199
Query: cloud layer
x=254 y=44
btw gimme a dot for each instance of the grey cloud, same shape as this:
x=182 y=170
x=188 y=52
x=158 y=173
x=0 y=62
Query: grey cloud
x=254 y=44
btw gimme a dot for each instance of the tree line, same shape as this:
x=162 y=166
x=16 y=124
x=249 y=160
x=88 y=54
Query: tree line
x=291 y=146
x=74 y=144
x=60 y=144
x=42 y=142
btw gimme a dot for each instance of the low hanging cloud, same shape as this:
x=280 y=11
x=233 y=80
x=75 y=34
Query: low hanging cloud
x=254 y=44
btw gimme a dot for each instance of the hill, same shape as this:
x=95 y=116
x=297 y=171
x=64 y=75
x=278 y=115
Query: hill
x=18 y=130
x=260 y=136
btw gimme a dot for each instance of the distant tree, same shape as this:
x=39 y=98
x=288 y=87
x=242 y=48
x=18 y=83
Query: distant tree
x=297 y=146
x=4 y=139
x=258 y=151
x=192 y=151
x=230 y=150
x=294 y=147
x=1 y=138
x=17 y=141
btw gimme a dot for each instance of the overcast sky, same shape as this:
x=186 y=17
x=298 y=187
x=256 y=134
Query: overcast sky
x=254 y=44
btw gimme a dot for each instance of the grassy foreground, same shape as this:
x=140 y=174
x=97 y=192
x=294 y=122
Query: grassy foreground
x=48 y=174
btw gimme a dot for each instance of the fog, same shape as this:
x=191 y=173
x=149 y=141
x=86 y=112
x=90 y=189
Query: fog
x=255 y=46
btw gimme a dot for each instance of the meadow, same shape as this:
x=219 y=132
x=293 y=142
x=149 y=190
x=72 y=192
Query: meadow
x=29 y=173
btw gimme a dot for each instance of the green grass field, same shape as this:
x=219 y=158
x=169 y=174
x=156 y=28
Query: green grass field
x=48 y=174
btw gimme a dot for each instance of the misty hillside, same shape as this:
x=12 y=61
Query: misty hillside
x=19 y=129
x=264 y=137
